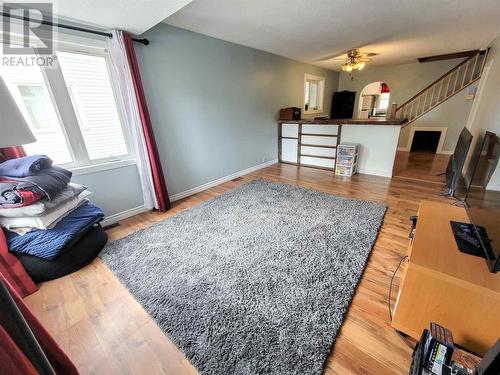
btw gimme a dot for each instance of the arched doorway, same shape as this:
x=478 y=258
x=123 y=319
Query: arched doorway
x=374 y=100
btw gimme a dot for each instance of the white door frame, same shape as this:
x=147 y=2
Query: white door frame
x=442 y=137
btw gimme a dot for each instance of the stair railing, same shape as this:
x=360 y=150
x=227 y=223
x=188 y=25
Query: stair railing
x=454 y=81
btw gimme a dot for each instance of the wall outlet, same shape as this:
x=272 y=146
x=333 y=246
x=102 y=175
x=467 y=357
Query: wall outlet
x=470 y=93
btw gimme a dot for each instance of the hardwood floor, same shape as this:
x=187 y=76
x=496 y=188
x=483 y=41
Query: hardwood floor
x=420 y=166
x=105 y=331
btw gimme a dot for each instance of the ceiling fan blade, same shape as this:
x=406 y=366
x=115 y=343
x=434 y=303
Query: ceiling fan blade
x=331 y=57
x=344 y=56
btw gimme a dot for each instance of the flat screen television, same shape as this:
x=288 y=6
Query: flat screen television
x=457 y=160
x=465 y=178
x=482 y=202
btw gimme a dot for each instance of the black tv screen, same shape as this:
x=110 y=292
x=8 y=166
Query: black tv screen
x=483 y=198
x=457 y=160
x=465 y=178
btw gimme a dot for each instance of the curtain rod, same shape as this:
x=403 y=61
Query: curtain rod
x=69 y=27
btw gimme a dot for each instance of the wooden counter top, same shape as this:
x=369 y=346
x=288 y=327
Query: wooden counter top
x=347 y=121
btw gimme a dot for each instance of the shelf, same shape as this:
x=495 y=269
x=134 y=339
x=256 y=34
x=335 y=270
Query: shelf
x=318 y=156
x=321 y=135
x=313 y=145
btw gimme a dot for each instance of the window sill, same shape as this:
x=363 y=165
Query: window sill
x=93 y=168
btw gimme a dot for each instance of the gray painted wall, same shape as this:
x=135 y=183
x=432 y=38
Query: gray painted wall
x=485 y=114
x=406 y=80
x=213 y=104
x=115 y=190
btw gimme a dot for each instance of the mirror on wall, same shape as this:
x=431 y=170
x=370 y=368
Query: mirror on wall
x=374 y=100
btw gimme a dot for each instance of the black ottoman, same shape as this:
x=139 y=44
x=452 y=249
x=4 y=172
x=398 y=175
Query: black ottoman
x=72 y=258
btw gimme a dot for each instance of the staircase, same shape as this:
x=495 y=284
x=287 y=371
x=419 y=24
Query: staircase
x=461 y=76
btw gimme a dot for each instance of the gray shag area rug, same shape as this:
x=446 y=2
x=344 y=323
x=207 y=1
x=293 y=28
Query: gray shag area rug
x=255 y=281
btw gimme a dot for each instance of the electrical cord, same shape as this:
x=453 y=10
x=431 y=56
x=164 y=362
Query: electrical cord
x=390 y=286
x=389 y=300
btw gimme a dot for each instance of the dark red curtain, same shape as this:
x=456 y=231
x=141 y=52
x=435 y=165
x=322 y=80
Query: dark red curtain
x=11 y=152
x=154 y=158
x=12 y=330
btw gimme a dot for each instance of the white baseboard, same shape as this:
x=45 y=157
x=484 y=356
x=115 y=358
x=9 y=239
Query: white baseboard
x=405 y=149
x=375 y=172
x=208 y=185
x=112 y=219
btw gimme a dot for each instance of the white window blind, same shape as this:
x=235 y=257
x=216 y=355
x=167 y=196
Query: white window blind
x=89 y=85
x=71 y=108
x=29 y=90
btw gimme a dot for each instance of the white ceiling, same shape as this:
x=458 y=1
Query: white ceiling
x=135 y=16
x=312 y=30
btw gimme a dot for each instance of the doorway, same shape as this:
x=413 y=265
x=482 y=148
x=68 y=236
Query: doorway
x=425 y=141
x=423 y=158
x=374 y=100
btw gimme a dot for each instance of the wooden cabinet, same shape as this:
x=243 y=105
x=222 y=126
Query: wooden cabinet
x=313 y=143
x=309 y=144
x=289 y=142
x=443 y=285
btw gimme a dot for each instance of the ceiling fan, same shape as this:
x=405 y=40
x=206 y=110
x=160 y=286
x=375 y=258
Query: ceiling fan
x=352 y=60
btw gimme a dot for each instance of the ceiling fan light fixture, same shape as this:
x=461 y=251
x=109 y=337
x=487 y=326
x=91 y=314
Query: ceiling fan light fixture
x=354 y=61
x=347 y=67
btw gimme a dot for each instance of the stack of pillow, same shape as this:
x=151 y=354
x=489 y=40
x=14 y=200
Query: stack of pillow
x=44 y=215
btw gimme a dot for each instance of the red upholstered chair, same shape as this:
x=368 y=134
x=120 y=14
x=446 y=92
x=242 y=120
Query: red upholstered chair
x=13 y=271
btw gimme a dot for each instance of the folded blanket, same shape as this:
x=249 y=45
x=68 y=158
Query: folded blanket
x=49 y=243
x=27 y=197
x=42 y=206
x=10 y=197
x=24 y=166
x=48 y=182
x=48 y=219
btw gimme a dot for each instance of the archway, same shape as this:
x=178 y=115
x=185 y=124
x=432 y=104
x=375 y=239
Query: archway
x=374 y=100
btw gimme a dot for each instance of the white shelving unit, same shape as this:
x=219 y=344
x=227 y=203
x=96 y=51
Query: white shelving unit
x=347 y=159
x=309 y=145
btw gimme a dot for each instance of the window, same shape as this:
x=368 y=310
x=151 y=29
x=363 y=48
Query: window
x=29 y=90
x=89 y=87
x=384 y=101
x=314 y=88
x=71 y=109
x=374 y=100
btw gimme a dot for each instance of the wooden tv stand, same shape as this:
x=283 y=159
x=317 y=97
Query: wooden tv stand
x=443 y=285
